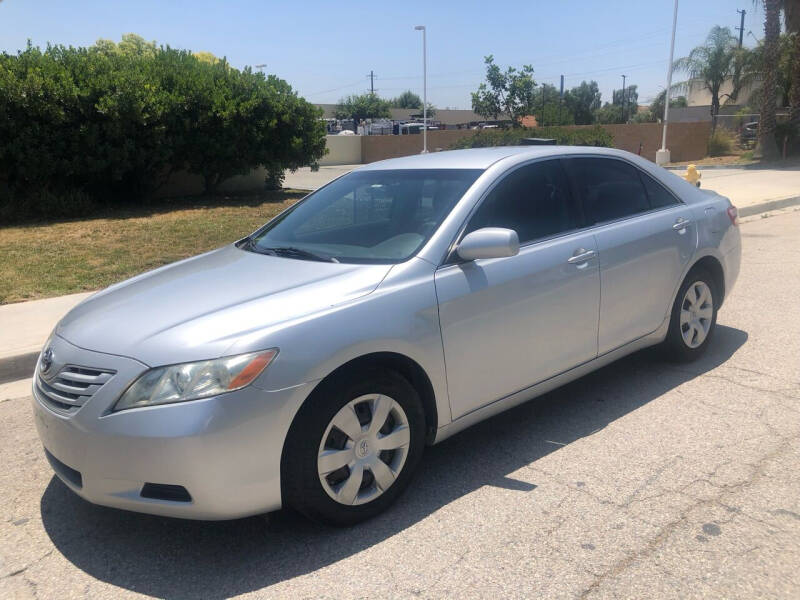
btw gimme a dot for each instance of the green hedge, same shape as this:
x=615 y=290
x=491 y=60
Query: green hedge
x=82 y=126
x=589 y=136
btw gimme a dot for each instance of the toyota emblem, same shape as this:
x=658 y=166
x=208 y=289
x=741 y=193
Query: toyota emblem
x=46 y=360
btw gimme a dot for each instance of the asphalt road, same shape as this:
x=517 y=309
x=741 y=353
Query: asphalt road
x=643 y=480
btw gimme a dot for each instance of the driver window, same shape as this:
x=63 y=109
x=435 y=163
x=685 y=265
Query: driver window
x=533 y=200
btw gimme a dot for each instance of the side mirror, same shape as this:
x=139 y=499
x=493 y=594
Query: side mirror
x=489 y=242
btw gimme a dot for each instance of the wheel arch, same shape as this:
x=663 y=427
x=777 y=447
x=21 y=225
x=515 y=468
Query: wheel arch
x=711 y=263
x=405 y=366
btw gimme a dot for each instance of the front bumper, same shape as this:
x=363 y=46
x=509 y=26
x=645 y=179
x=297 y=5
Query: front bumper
x=225 y=451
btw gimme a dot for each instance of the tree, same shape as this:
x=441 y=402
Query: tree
x=713 y=63
x=766 y=146
x=512 y=93
x=629 y=101
x=107 y=122
x=431 y=112
x=791 y=13
x=582 y=102
x=130 y=45
x=205 y=56
x=237 y=120
x=609 y=114
x=407 y=99
x=547 y=102
x=656 y=111
x=364 y=106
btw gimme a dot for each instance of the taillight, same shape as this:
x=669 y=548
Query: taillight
x=733 y=214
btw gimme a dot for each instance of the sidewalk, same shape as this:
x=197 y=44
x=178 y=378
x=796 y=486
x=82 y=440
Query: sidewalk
x=306 y=179
x=748 y=188
x=24 y=327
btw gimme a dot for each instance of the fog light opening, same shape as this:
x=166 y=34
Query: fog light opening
x=165 y=491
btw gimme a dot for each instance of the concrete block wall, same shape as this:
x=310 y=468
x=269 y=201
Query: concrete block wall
x=342 y=150
x=686 y=141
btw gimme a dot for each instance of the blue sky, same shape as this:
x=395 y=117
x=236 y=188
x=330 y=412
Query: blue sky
x=326 y=49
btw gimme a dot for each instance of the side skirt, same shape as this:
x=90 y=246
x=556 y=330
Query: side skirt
x=547 y=385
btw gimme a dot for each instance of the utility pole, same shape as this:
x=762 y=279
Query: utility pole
x=424 y=87
x=542 y=123
x=662 y=156
x=371 y=82
x=742 y=12
x=560 y=100
x=623 y=98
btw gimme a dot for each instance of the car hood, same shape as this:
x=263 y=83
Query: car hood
x=201 y=307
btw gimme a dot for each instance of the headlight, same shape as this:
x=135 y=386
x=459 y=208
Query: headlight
x=190 y=381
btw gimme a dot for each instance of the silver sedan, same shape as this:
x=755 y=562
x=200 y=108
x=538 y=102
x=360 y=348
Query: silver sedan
x=309 y=364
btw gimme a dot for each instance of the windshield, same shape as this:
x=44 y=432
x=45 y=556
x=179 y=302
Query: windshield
x=366 y=216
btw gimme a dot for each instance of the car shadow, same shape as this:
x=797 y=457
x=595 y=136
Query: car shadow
x=176 y=558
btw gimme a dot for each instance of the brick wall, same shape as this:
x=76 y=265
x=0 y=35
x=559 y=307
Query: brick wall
x=686 y=141
x=380 y=147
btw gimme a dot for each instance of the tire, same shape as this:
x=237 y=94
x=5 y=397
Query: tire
x=687 y=341
x=318 y=434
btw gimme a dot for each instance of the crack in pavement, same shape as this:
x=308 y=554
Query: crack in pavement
x=668 y=529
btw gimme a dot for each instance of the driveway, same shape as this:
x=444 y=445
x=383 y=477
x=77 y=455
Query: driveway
x=644 y=479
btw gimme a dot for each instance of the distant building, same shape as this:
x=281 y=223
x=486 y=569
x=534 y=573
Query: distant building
x=698 y=94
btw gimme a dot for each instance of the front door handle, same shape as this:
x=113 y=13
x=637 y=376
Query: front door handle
x=581 y=256
x=681 y=223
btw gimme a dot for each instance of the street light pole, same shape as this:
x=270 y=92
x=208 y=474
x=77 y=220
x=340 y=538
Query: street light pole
x=662 y=156
x=424 y=88
x=623 y=98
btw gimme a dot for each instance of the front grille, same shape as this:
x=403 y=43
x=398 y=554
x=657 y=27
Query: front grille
x=71 y=387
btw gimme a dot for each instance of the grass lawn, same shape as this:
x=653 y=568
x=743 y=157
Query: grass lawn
x=41 y=260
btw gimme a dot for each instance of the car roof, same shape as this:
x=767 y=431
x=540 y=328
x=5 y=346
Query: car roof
x=483 y=158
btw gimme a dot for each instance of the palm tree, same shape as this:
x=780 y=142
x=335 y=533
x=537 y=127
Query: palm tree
x=791 y=14
x=766 y=147
x=716 y=61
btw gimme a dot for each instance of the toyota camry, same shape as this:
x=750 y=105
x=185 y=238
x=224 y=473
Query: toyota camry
x=309 y=364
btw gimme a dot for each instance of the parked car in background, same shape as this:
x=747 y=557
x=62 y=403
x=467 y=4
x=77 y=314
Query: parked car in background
x=308 y=364
x=748 y=134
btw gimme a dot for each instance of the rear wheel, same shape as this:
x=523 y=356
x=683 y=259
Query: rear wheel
x=353 y=447
x=693 y=318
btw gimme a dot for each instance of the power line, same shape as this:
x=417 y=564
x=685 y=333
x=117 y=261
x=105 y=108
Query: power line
x=341 y=87
x=560 y=59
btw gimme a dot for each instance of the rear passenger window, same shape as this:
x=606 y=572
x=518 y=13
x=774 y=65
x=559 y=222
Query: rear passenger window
x=657 y=193
x=534 y=201
x=609 y=189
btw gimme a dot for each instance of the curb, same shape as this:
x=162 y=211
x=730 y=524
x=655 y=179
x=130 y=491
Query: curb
x=754 y=209
x=14 y=368
x=747 y=166
x=720 y=167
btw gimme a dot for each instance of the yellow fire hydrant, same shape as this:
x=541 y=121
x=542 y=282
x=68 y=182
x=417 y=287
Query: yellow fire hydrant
x=693 y=175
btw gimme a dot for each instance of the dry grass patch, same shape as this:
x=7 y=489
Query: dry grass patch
x=41 y=260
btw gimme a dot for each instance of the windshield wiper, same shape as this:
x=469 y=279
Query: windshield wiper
x=291 y=252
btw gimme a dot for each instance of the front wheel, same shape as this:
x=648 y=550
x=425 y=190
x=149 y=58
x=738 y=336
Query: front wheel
x=353 y=447
x=693 y=318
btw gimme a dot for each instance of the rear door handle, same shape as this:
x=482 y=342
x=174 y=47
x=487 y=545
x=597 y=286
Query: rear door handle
x=581 y=256
x=681 y=223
